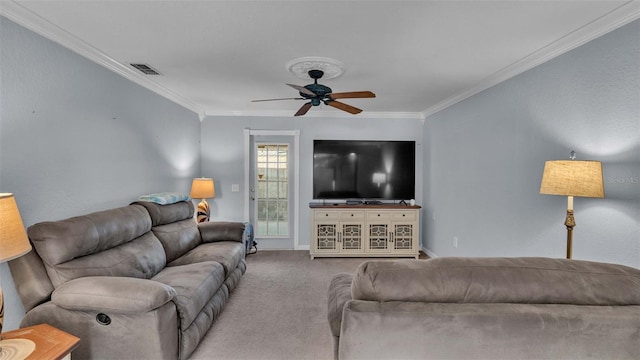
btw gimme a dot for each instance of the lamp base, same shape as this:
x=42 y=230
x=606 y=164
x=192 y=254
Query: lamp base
x=15 y=349
x=569 y=222
x=1 y=312
x=203 y=211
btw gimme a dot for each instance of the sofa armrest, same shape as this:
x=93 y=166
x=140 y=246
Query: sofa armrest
x=339 y=294
x=32 y=282
x=106 y=293
x=221 y=231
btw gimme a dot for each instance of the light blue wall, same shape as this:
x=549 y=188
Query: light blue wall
x=486 y=154
x=76 y=138
x=222 y=154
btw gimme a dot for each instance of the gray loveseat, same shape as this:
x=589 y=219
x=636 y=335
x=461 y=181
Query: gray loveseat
x=144 y=281
x=486 y=308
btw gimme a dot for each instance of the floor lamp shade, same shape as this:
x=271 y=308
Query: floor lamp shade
x=572 y=178
x=203 y=188
x=13 y=238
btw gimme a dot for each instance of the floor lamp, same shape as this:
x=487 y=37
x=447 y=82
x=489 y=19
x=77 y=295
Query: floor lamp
x=13 y=243
x=572 y=178
x=203 y=188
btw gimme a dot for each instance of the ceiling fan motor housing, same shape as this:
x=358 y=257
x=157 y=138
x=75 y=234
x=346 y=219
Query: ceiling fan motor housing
x=319 y=90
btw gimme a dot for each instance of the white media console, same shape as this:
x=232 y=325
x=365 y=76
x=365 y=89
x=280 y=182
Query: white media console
x=365 y=230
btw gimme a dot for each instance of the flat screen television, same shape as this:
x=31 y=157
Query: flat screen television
x=364 y=169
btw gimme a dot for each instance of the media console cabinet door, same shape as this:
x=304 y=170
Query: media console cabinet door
x=364 y=232
x=337 y=232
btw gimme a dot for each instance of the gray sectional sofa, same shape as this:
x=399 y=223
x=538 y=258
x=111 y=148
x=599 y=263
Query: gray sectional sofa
x=144 y=281
x=486 y=308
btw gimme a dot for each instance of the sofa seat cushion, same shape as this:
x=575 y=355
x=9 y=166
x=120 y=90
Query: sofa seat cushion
x=227 y=253
x=195 y=285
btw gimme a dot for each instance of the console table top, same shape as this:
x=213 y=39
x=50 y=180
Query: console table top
x=51 y=343
x=362 y=206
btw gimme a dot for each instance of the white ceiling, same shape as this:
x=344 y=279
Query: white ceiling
x=417 y=56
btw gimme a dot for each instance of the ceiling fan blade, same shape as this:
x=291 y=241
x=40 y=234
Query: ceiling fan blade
x=296 y=98
x=343 y=106
x=303 y=110
x=303 y=90
x=352 y=95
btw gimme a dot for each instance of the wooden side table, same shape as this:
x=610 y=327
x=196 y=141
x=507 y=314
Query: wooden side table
x=51 y=343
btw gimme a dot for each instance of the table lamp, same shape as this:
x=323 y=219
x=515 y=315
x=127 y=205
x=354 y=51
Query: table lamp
x=13 y=238
x=572 y=178
x=203 y=188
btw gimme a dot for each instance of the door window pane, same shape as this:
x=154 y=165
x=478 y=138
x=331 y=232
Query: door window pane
x=272 y=195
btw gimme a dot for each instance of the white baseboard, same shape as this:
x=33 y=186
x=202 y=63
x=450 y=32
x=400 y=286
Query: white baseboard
x=429 y=253
x=301 y=248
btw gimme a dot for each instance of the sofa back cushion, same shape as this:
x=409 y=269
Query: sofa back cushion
x=174 y=226
x=116 y=242
x=498 y=280
x=167 y=214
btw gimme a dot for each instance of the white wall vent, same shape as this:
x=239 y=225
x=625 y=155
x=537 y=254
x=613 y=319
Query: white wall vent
x=146 y=69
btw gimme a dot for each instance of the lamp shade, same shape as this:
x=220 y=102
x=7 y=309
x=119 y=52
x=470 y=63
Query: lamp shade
x=202 y=188
x=572 y=178
x=13 y=238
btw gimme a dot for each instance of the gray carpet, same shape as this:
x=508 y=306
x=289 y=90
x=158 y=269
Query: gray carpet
x=277 y=311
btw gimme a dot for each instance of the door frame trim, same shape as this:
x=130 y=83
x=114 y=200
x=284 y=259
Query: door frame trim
x=248 y=132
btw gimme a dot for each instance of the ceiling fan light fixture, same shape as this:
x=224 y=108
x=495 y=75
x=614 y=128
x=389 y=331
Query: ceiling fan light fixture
x=300 y=67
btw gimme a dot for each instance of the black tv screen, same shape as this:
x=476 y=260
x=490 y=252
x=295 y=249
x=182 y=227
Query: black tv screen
x=363 y=169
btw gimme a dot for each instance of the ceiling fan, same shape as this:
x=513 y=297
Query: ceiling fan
x=318 y=93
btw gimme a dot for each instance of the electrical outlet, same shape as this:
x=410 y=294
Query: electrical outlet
x=455 y=242
x=235 y=187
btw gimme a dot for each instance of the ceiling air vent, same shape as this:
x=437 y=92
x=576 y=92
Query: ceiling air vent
x=145 y=69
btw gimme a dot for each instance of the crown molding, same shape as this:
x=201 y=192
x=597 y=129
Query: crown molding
x=321 y=114
x=616 y=18
x=28 y=19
